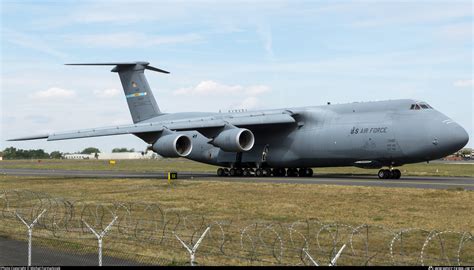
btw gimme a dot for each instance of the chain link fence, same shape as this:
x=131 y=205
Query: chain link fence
x=149 y=234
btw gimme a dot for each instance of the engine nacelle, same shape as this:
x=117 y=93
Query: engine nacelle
x=235 y=140
x=173 y=145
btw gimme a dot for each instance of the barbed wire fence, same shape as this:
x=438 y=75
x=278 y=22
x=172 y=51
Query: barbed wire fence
x=127 y=233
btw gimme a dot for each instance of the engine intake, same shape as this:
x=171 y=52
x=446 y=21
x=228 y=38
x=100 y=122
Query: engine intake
x=235 y=140
x=173 y=145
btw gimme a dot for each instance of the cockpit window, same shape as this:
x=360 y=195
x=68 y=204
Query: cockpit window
x=420 y=106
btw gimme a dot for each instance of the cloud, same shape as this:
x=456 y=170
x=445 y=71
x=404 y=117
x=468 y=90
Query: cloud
x=209 y=87
x=31 y=42
x=464 y=83
x=131 y=39
x=456 y=31
x=265 y=34
x=107 y=93
x=249 y=103
x=227 y=96
x=53 y=93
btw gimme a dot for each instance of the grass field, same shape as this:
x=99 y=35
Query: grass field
x=420 y=169
x=245 y=203
x=393 y=207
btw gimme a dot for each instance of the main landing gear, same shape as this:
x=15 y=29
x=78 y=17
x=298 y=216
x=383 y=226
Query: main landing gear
x=389 y=174
x=262 y=172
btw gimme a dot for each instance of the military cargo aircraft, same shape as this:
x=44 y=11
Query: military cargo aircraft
x=283 y=142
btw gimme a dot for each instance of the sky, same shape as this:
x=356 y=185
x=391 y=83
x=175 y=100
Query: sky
x=226 y=55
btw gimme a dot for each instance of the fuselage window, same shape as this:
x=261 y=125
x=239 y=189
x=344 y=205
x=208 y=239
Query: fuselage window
x=412 y=107
x=424 y=106
x=417 y=107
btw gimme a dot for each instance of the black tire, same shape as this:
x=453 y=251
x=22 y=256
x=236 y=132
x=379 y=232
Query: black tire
x=302 y=172
x=246 y=172
x=232 y=172
x=239 y=172
x=292 y=172
x=274 y=172
x=309 y=172
x=382 y=174
x=397 y=174
x=220 y=172
x=259 y=173
x=267 y=172
x=282 y=172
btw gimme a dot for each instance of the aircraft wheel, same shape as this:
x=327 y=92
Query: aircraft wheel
x=309 y=172
x=246 y=172
x=383 y=174
x=226 y=172
x=292 y=172
x=220 y=172
x=259 y=172
x=302 y=172
x=392 y=175
x=274 y=172
x=396 y=174
x=267 y=172
x=239 y=172
x=281 y=171
x=232 y=172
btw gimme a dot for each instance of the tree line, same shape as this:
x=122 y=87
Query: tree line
x=14 y=153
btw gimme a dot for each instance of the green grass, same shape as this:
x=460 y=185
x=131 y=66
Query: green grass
x=419 y=169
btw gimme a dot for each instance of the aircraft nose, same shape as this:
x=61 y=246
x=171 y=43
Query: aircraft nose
x=451 y=138
x=460 y=136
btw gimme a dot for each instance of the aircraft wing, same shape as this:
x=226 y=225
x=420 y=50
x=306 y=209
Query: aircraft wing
x=199 y=123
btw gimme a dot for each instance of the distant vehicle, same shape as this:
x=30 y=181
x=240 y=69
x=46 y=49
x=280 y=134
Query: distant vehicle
x=287 y=141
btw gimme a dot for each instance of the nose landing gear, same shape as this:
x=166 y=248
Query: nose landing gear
x=389 y=174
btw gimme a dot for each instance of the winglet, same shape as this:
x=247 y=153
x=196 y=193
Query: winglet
x=119 y=65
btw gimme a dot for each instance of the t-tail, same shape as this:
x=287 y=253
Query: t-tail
x=139 y=96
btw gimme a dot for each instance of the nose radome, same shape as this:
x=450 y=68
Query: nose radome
x=461 y=136
x=457 y=137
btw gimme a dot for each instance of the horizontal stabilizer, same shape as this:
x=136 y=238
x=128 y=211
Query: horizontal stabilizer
x=118 y=65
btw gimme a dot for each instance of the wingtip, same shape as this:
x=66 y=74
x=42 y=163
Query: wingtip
x=36 y=137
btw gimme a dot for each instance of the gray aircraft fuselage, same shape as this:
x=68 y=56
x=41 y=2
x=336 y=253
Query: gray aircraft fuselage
x=366 y=134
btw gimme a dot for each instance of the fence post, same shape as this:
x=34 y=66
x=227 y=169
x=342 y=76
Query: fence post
x=334 y=260
x=30 y=232
x=331 y=263
x=310 y=258
x=100 y=236
x=192 y=250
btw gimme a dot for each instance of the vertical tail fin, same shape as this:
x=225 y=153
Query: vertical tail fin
x=139 y=96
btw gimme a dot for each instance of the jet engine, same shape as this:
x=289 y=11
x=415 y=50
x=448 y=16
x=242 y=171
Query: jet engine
x=173 y=145
x=235 y=140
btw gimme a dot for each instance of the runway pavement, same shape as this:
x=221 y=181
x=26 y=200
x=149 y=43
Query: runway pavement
x=327 y=179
